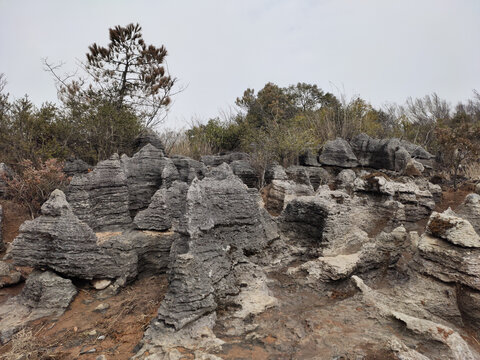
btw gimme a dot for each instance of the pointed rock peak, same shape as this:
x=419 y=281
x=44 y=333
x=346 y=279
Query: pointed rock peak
x=148 y=136
x=56 y=205
x=220 y=172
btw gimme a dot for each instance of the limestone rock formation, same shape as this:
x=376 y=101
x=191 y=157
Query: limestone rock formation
x=338 y=152
x=308 y=158
x=74 y=166
x=188 y=169
x=470 y=210
x=8 y=275
x=44 y=294
x=148 y=136
x=246 y=172
x=216 y=160
x=100 y=198
x=452 y=228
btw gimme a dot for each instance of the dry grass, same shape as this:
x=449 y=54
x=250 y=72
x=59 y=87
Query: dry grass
x=23 y=346
x=472 y=171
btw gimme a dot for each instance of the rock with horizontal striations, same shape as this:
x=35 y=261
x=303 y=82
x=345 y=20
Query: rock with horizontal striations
x=275 y=172
x=188 y=169
x=308 y=158
x=469 y=305
x=345 y=179
x=450 y=227
x=146 y=172
x=279 y=192
x=44 y=294
x=338 y=152
x=246 y=172
x=5 y=173
x=298 y=174
x=148 y=136
x=9 y=275
x=216 y=160
x=74 y=166
x=166 y=210
x=100 y=198
x=224 y=222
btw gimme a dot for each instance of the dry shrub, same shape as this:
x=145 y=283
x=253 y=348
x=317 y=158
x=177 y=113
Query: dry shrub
x=472 y=171
x=23 y=346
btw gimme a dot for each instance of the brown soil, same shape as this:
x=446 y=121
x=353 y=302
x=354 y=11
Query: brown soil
x=122 y=324
x=13 y=216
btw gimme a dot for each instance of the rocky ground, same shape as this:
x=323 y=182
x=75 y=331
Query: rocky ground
x=353 y=254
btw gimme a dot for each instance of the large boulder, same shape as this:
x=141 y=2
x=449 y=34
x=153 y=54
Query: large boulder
x=188 y=168
x=246 y=172
x=74 y=166
x=338 y=152
x=100 y=198
x=148 y=136
x=308 y=158
x=470 y=210
x=215 y=160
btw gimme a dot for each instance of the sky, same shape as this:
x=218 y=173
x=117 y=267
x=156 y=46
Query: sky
x=382 y=50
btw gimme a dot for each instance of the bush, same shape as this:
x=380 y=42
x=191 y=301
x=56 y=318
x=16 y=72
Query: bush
x=32 y=184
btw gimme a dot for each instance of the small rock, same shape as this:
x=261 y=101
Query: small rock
x=90 y=351
x=92 y=333
x=101 y=284
x=101 y=337
x=101 y=357
x=102 y=307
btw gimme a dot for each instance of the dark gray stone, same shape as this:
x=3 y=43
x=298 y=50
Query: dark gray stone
x=215 y=160
x=308 y=158
x=338 y=153
x=246 y=172
x=189 y=169
x=148 y=136
x=74 y=166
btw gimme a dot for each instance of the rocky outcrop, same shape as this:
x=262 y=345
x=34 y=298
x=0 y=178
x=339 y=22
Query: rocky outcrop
x=338 y=152
x=279 y=192
x=44 y=294
x=470 y=210
x=189 y=169
x=148 y=136
x=146 y=171
x=100 y=198
x=246 y=172
x=9 y=275
x=448 y=226
x=224 y=223
x=74 y=166
x=308 y=158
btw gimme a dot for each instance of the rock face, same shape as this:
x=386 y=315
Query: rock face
x=148 y=136
x=245 y=171
x=338 y=152
x=74 y=166
x=454 y=229
x=308 y=158
x=189 y=169
x=470 y=210
x=224 y=223
x=44 y=294
x=216 y=160
x=100 y=198
x=8 y=275
x=2 y=244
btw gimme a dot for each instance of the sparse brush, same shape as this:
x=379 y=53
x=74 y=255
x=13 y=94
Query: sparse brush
x=472 y=171
x=23 y=346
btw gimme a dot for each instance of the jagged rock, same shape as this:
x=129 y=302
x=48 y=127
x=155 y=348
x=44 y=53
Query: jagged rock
x=298 y=174
x=148 y=136
x=418 y=203
x=167 y=208
x=275 y=172
x=74 y=166
x=216 y=160
x=279 y=192
x=318 y=176
x=403 y=352
x=387 y=154
x=338 y=152
x=146 y=171
x=448 y=262
x=188 y=168
x=245 y=171
x=224 y=222
x=44 y=294
x=477 y=188
x=8 y=275
x=470 y=210
x=452 y=228
x=469 y=305
x=419 y=154
x=100 y=198
x=308 y=158
x=58 y=240
x=414 y=168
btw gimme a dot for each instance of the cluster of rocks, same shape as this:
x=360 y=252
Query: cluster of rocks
x=343 y=219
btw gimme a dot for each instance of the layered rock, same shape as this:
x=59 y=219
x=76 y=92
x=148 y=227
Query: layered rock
x=470 y=210
x=246 y=172
x=279 y=192
x=148 y=136
x=74 y=166
x=338 y=152
x=100 y=198
x=44 y=294
x=188 y=169
x=146 y=171
x=9 y=275
x=308 y=158
x=224 y=223
x=216 y=160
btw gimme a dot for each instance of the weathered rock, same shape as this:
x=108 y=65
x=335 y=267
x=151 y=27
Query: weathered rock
x=8 y=275
x=100 y=198
x=146 y=172
x=245 y=171
x=414 y=168
x=308 y=158
x=224 y=223
x=44 y=294
x=470 y=210
x=189 y=169
x=318 y=176
x=338 y=152
x=469 y=305
x=452 y=228
x=216 y=160
x=148 y=136
x=100 y=284
x=74 y=166
x=275 y=172
x=279 y=192
x=2 y=244
x=345 y=179
x=387 y=154
x=166 y=210
x=298 y=174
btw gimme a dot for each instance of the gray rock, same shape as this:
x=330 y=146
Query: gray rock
x=189 y=169
x=469 y=305
x=308 y=158
x=146 y=172
x=100 y=198
x=345 y=179
x=452 y=228
x=477 y=188
x=338 y=152
x=167 y=209
x=224 y=222
x=9 y=275
x=216 y=160
x=246 y=172
x=148 y=136
x=386 y=154
x=470 y=210
x=298 y=174
x=74 y=166
x=275 y=172
x=279 y=192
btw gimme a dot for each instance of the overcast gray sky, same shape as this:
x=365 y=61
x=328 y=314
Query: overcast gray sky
x=383 y=50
